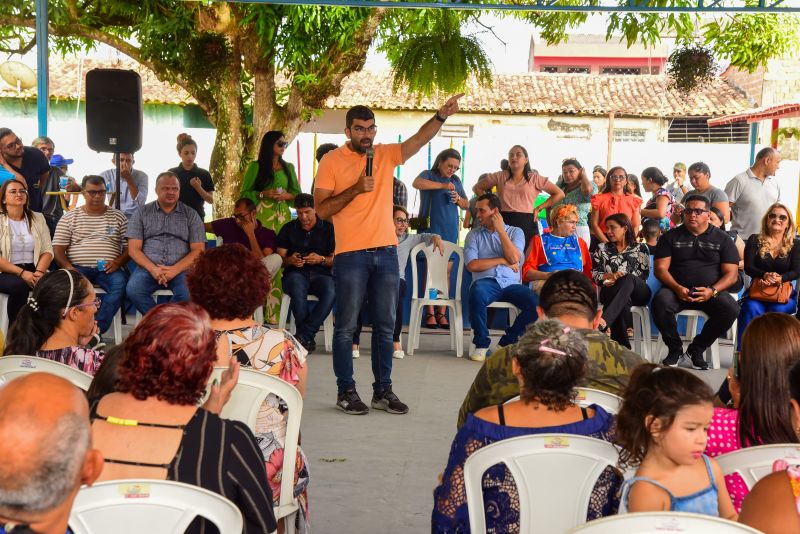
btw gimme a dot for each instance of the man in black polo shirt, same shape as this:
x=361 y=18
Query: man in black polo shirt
x=27 y=161
x=696 y=262
x=306 y=245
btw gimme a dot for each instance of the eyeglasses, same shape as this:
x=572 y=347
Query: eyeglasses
x=360 y=129
x=569 y=221
x=14 y=143
x=694 y=211
x=619 y=177
x=282 y=144
x=95 y=303
x=21 y=192
x=240 y=216
x=781 y=217
x=94 y=193
x=401 y=221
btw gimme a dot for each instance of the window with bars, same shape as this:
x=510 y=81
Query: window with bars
x=555 y=69
x=696 y=130
x=622 y=71
x=630 y=135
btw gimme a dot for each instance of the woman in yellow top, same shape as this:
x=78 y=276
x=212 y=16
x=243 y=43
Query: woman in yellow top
x=272 y=184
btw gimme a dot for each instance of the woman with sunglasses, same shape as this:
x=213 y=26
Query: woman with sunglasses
x=615 y=198
x=197 y=187
x=25 y=247
x=771 y=258
x=272 y=184
x=57 y=322
x=759 y=388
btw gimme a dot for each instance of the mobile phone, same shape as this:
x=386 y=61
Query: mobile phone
x=692 y=292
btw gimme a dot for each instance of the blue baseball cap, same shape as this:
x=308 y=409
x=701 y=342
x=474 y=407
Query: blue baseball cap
x=58 y=160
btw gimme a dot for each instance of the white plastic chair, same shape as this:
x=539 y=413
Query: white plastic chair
x=712 y=353
x=4 y=313
x=554 y=475
x=245 y=403
x=327 y=324
x=156 y=294
x=152 y=506
x=642 y=333
x=754 y=463
x=436 y=278
x=12 y=367
x=116 y=324
x=660 y=522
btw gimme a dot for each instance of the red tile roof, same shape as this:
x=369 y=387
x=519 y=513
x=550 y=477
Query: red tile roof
x=525 y=93
x=540 y=93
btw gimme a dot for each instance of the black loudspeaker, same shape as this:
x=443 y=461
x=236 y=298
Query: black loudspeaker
x=113 y=110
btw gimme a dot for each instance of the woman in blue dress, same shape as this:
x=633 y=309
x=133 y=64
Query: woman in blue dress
x=550 y=361
x=441 y=195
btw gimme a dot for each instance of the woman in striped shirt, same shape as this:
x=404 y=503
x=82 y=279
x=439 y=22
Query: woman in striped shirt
x=151 y=426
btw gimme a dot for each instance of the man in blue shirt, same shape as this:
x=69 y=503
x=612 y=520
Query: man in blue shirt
x=165 y=237
x=46 y=452
x=492 y=253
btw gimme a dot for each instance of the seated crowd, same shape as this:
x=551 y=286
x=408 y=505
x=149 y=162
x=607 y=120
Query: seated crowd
x=573 y=277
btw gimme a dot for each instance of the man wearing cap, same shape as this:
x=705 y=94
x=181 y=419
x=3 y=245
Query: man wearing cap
x=677 y=188
x=51 y=204
x=28 y=162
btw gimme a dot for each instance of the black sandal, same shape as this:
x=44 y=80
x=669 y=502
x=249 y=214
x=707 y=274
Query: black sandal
x=435 y=324
x=439 y=317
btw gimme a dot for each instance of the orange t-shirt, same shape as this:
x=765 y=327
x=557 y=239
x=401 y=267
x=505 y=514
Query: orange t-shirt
x=367 y=221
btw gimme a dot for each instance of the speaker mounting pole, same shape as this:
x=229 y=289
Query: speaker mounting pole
x=116 y=201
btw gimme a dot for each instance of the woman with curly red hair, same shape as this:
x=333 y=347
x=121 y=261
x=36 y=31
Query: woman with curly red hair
x=558 y=250
x=151 y=427
x=230 y=283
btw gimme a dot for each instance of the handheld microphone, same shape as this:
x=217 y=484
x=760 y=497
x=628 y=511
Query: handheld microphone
x=370 y=155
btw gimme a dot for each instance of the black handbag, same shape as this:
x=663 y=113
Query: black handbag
x=420 y=223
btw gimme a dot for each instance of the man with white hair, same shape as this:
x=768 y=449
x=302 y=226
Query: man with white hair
x=46 y=453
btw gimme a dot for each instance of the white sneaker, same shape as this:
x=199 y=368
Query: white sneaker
x=399 y=354
x=356 y=354
x=479 y=355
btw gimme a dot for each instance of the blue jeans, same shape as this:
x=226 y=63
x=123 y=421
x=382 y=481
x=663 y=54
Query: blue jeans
x=483 y=292
x=141 y=287
x=750 y=309
x=114 y=286
x=357 y=275
x=299 y=284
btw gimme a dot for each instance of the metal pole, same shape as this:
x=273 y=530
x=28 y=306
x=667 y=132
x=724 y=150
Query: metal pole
x=753 y=141
x=119 y=194
x=42 y=68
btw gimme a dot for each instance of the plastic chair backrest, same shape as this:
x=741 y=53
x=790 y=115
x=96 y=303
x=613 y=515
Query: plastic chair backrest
x=152 y=506
x=12 y=367
x=437 y=268
x=661 y=522
x=608 y=401
x=245 y=403
x=554 y=474
x=754 y=463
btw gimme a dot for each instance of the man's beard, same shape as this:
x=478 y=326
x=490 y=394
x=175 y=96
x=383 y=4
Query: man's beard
x=360 y=149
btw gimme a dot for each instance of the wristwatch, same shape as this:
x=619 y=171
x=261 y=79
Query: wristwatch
x=714 y=291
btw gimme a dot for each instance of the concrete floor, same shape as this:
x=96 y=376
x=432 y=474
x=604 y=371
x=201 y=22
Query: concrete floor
x=375 y=473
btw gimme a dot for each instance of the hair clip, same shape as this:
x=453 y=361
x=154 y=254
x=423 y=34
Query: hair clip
x=544 y=348
x=33 y=304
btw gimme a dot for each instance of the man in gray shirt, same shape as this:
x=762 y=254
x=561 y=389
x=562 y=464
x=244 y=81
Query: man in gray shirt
x=164 y=239
x=752 y=192
x=132 y=184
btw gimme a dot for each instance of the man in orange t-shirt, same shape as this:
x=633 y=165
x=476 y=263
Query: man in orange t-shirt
x=365 y=265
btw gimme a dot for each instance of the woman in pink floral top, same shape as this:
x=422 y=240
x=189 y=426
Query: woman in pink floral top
x=230 y=283
x=759 y=385
x=58 y=321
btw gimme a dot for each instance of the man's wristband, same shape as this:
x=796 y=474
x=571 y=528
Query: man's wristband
x=21 y=272
x=439 y=117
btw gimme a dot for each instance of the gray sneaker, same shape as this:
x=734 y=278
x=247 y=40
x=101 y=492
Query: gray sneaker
x=350 y=403
x=388 y=402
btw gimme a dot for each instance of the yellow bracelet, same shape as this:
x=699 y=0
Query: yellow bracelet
x=122 y=422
